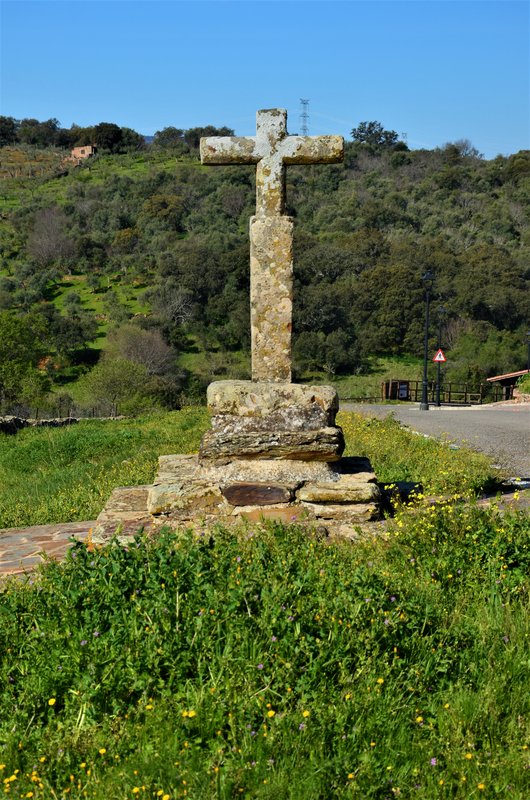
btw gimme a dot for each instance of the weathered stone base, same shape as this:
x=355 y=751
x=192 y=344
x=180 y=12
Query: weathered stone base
x=273 y=452
x=333 y=497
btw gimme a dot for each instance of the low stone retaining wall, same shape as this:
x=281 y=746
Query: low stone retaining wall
x=13 y=424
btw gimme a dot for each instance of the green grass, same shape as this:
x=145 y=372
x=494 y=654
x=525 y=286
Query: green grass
x=74 y=469
x=270 y=664
x=263 y=662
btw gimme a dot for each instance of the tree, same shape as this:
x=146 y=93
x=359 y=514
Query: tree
x=108 y=136
x=49 y=240
x=19 y=353
x=117 y=382
x=169 y=137
x=144 y=347
x=373 y=134
x=8 y=131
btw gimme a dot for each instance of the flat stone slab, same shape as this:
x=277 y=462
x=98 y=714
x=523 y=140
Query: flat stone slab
x=344 y=512
x=326 y=444
x=261 y=494
x=260 y=398
x=175 y=468
x=348 y=489
x=295 y=418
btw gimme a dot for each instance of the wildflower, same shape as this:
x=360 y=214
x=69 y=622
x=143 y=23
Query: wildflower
x=52 y=701
x=469 y=756
x=83 y=642
x=102 y=751
x=96 y=634
x=433 y=762
x=350 y=776
x=305 y=713
x=372 y=744
x=271 y=713
x=302 y=726
x=419 y=720
x=136 y=790
x=380 y=680
x=260 y=666
x=481 y=786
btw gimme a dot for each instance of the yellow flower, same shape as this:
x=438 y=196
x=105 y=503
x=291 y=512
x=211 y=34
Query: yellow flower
x=102 y=751
x=481 y=786
x=136 y=790
x=419 y=719
x=469 y=756
x=305 y=713
x=350 y=776
x=42 y=759
x=380 y=680
x=165 y=797
x=271 y=713
x=52 y=701
x=148 y=707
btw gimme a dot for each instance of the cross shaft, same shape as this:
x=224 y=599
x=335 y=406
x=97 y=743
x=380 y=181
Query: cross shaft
x=271 y=231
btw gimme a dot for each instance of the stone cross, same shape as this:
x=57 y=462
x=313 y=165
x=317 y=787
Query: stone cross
x=271 y=232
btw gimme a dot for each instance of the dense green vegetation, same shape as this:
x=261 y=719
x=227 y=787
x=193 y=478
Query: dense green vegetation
x=143 y=244
x=271 y=664
x=266 y=663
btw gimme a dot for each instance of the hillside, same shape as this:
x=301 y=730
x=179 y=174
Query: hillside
x=144 y=255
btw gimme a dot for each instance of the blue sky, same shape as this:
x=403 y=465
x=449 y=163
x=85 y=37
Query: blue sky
x=437 y=70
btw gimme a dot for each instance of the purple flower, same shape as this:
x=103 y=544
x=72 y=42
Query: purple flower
x=433 y=762
x=274 y=638
x=387 y=621
x=301 y=727
x=506 y=639
x=393 y=599
x=96 y=633
x=260 y=666
x=238 y=558
x=290 y=619
x=83 y=642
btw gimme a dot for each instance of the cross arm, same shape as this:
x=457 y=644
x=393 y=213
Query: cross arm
x=312 y=149
x=228 y=150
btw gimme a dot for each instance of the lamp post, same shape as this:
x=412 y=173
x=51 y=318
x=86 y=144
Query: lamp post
x=441 y=313
x=427 y=280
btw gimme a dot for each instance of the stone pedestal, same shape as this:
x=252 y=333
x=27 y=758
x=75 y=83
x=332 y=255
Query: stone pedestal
x=273 y=452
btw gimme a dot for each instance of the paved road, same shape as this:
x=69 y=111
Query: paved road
x=501 y=431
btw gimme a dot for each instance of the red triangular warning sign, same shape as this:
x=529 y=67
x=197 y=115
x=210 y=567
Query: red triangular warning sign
x=439 y=356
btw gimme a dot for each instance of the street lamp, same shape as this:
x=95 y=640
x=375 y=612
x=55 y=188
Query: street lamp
x=441 y=313
x=427 y=280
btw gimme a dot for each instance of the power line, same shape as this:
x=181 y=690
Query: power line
x=304 y=117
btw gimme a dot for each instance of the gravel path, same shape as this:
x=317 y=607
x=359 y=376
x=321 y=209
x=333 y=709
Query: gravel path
x=502 y=431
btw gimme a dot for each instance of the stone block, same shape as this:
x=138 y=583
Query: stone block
x=348 y=489
x=257 y=494
x=325 y=444
x=197 y=496
x=295 y=418
x=352 y=513
x=286 y=471
x=259 y=399
x=271 y=297
x=288 y=514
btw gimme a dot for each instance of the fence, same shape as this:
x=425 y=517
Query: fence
x=450 y=393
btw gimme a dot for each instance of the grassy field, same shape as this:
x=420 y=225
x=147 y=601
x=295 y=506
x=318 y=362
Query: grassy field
x=263 y=663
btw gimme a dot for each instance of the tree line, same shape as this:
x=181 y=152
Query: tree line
x=155 y=254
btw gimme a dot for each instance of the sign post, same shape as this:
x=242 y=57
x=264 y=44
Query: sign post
x=439 y=359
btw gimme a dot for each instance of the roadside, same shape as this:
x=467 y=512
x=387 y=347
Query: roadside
x=500 y=430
